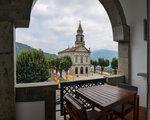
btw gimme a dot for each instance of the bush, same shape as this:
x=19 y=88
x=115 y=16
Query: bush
x=32 y=66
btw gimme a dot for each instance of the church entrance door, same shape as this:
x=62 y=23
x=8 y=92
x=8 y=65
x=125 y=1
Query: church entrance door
x=86 y=70
x=81 y=70
x=76 y=70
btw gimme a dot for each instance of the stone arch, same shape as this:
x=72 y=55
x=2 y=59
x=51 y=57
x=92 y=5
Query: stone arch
x=76 y=70
x=121 y=34
x=20 y=17
x=117 y=19
x=81 y=70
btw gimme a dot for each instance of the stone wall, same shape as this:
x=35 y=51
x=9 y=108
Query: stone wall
x=13 y=14
x=138 y=46
x=115 y=80
x=45 y=91
x=7 y=71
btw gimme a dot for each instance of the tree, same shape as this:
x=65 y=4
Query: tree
x=94 y=63
x=57 y=64
x=62 y=66
x=114 y=64
x=62 y=63
x=31 y=66
x=67 y=64
x=103 y=63
x=51 y=62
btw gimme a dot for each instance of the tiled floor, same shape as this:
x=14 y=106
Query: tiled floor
x=142 y=115
x=58 y=117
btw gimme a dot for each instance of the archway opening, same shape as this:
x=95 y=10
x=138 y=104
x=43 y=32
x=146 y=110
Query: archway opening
x=86 y=70
x=119 y=27
x=81 y=70
x=46 y=39
x=76 y=70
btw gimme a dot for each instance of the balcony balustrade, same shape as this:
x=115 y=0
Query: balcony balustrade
x=46 y=92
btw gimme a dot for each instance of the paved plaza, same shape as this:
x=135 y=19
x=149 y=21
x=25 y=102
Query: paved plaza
x=86 y=76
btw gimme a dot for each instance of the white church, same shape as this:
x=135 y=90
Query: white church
x=79 y=54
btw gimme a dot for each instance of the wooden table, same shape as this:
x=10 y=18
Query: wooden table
x=106 y=97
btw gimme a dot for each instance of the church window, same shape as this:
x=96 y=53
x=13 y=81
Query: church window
x=81 y=59
x=81 y=39
x=86 y=58
x=76 y=58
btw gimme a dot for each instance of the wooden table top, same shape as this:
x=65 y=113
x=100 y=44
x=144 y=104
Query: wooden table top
x=105 y=96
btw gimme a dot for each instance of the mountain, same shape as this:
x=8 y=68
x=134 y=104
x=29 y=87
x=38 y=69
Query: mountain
x=21 y=46
x=108 y=54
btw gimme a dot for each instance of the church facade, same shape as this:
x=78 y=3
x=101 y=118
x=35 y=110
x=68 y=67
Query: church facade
x=79 y=54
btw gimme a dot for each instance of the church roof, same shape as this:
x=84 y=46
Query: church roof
x=73 y=49
x=79 y=30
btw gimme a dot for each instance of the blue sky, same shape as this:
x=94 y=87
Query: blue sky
x=54 y=23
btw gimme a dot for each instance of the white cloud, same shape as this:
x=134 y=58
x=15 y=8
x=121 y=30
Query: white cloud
x=54 y=22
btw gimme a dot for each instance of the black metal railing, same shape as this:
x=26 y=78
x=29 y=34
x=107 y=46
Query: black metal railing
x=71 y=87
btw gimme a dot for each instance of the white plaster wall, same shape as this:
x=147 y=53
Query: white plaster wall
x=30 y=110
x=135 y=12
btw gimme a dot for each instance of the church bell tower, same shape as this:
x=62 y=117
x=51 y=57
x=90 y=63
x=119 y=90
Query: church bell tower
x=79 y=37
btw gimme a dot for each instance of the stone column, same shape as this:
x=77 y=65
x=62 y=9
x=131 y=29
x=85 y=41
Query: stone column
x=124 y=60
x=121 y=34
x=7 y=72
x=148 y=61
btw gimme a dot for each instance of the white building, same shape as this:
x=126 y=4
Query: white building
x=79 y=54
